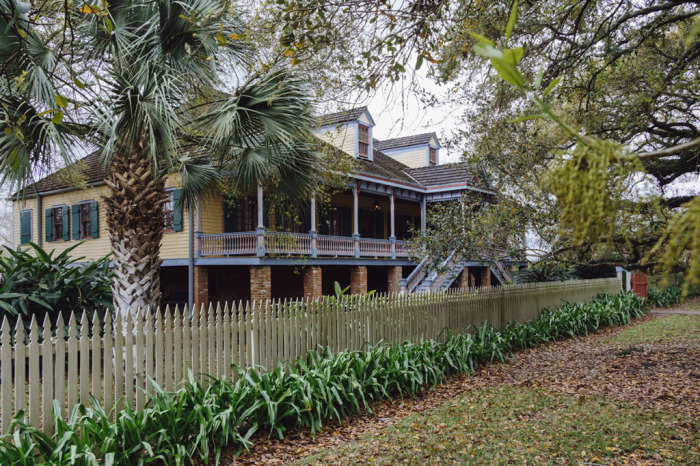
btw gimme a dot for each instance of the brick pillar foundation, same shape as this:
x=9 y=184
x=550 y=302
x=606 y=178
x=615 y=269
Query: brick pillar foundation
x=463 y=279
x=395 y=274
x=260 y=282
x=201 y=287
x=485 y=276
x=358 y=280
x=471 y=276
x=313 y=282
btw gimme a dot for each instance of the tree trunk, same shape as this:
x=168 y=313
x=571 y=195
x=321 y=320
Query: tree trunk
x=135 y=223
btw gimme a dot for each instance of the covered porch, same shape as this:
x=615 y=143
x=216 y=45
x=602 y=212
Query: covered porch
x=368 y=220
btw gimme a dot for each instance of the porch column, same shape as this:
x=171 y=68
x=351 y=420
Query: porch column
x=313 y=282
x=395 y=274
x=201 y=287
x=314 y=235
x=358 y=280
x=423 y=213
x=392 y=236
x=356 y=219
x=463 y=279
x=260 y=283
x=260 y=250
x=485 y=279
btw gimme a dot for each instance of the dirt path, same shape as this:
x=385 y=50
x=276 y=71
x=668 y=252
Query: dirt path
x=657 y=376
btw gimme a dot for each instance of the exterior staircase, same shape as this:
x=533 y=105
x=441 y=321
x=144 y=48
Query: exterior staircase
x=501 y=272
x=420 y=282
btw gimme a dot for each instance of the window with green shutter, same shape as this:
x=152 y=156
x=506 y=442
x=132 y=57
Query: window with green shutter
x=25 y=227
x=57 y=224
x=94 y=219
x=172 y=215
x=85 y=217
x=48 y=224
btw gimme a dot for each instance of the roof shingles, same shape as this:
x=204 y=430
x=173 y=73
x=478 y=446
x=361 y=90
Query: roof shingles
x=441 y=175
x=342 y=117
x=414 y=140
x=90 y=169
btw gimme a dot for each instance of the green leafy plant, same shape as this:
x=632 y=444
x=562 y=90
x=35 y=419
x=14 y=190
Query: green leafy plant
x=669 y=296
x=34 y=285
x=543 y=271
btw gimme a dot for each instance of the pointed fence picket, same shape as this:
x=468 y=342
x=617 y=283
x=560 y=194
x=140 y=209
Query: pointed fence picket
x=112 y=360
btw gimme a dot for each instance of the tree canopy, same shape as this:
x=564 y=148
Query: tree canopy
x=597 y=179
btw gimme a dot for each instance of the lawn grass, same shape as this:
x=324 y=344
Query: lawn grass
x=515 y=424
x=673 y=328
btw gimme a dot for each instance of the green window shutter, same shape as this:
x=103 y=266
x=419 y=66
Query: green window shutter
x=94 y=220
x=177 y=212
x=76 y=221
x=25 y=227
x=48 y=224
x=66 y=223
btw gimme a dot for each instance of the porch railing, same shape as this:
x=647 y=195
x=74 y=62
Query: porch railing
x=375 y=247
x=227 y=244
x=245 y=243
x=287 y=243
x=335 y=246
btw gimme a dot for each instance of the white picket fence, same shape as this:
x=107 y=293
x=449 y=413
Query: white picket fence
x=165 y=345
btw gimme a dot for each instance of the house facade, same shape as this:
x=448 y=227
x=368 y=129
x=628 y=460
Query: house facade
x=360 y=237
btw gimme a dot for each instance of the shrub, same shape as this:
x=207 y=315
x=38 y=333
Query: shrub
x=543 y=271
x=669 y=296
x=41 y=284
x=193 y=423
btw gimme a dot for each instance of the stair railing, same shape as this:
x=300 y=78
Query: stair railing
x=447 y=266
x=410 y=283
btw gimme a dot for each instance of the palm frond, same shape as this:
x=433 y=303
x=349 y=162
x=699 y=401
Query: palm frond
x=199 y=179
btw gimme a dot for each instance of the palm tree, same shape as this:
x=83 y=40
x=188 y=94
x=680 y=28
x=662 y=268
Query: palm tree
x=159 y=99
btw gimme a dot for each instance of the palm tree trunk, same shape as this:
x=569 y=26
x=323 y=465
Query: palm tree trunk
x=135 y=223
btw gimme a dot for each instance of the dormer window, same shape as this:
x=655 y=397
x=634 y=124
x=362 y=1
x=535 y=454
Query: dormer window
x=432 y=157
x=364 y=141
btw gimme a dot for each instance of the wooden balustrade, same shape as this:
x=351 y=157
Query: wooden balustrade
x=335 y=246
x=374 y=248
x=287 y=243
x=277 y=242
x=228 y=244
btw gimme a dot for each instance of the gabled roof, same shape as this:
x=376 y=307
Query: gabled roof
x=342 y=117
x=441 y=174
x=414 y=140
x=386 y=167
x=88 y=170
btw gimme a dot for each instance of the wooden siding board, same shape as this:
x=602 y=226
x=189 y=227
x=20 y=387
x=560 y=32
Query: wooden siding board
x=343 y=138
x=175 y=245
x=413 y=158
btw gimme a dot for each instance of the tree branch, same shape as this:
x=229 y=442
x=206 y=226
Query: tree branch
x=670 y=150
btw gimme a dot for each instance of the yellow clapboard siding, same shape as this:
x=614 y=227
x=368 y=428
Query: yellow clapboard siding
x=213 y=215
x=414 y=158
x=342 y=138
x=174 y=245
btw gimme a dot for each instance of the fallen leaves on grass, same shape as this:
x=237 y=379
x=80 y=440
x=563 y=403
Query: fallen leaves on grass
x=658 y=376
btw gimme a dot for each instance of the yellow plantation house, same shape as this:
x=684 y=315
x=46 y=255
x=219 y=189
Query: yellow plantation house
x=360 y=237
